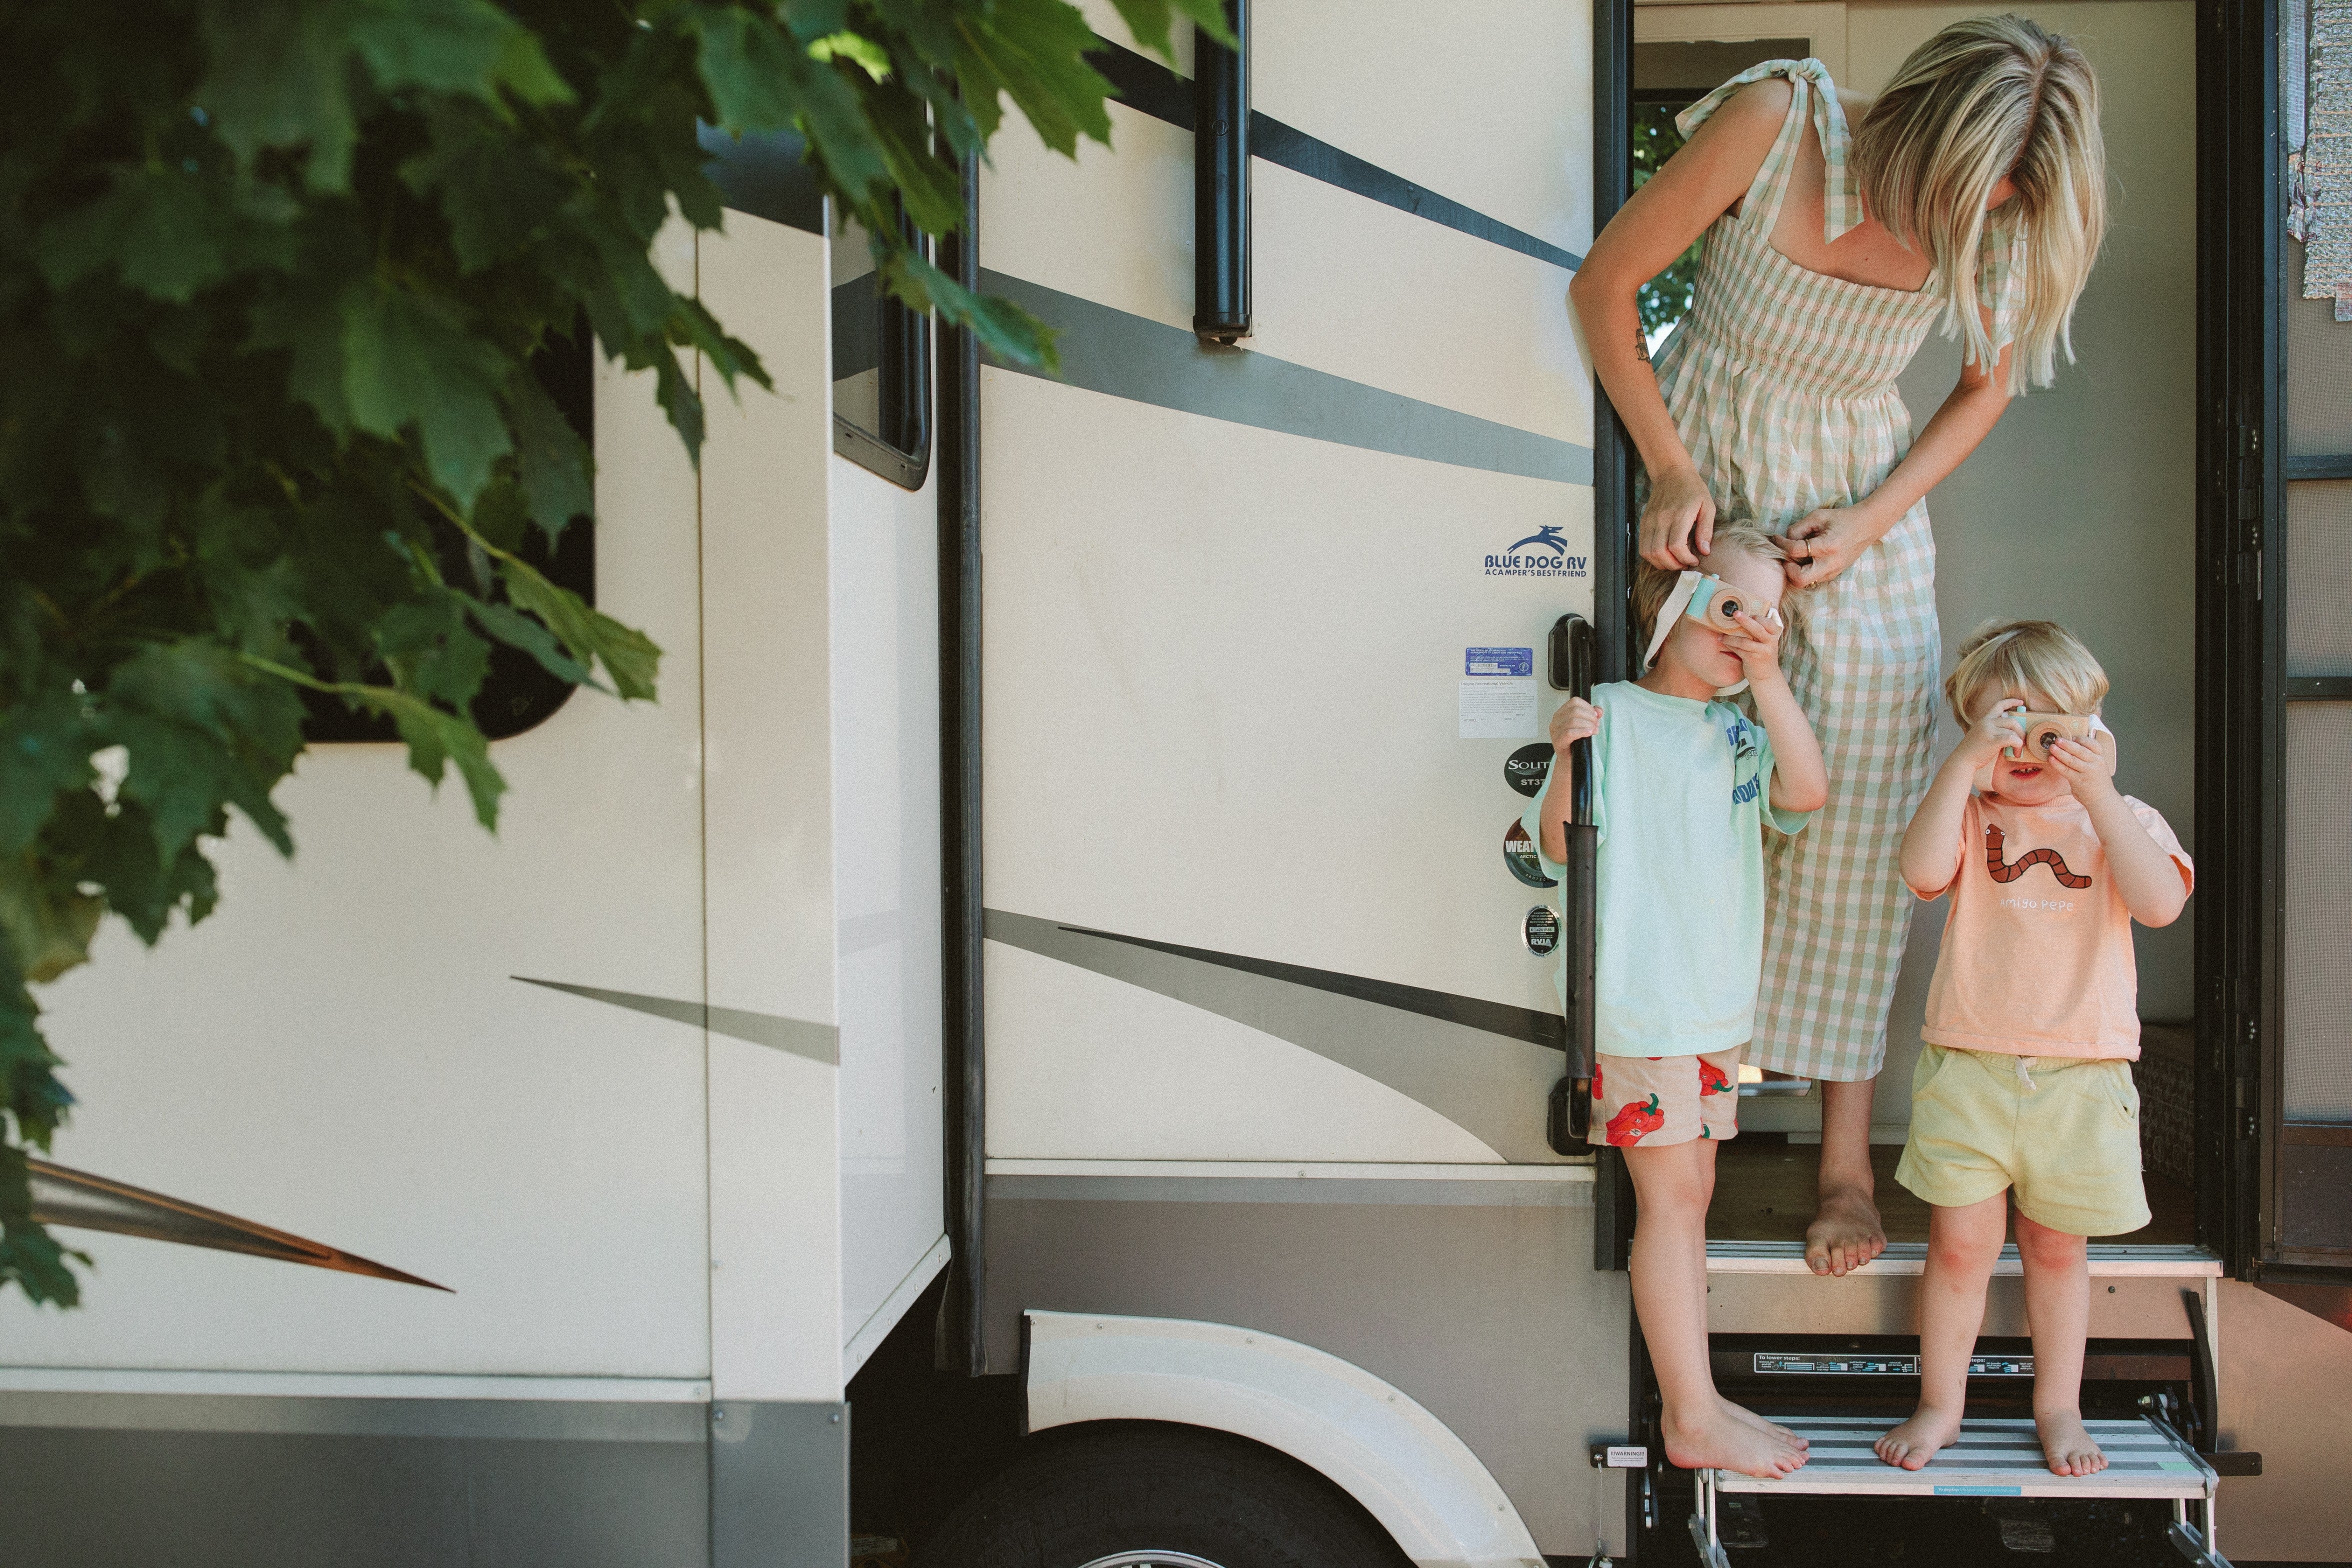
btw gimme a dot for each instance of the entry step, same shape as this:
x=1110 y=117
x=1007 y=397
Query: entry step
x=1993 y=1457
x=2109 y=1260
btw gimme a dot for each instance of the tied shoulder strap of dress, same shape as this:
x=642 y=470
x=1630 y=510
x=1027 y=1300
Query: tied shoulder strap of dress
x=1814 y=98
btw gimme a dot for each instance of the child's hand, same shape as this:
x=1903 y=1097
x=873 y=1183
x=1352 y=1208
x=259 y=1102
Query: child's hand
x=1757 y=645
x=1575 y=719
x=1994 y=733
x=2089 y=766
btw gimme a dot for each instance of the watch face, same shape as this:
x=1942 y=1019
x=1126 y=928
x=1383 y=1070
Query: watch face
x=1542 y=928
x=1525 y=768
x=1519 y=854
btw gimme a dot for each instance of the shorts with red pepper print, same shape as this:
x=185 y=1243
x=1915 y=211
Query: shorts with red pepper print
x=1653 y=1100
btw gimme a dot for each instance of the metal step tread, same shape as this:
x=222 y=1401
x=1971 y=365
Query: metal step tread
x=1994 y=1457
x=2108 y=1260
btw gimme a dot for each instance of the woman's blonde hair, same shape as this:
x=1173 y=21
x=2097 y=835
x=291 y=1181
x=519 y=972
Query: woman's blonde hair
x=1984 y=98
x=1653 y=584
x=2029 y=659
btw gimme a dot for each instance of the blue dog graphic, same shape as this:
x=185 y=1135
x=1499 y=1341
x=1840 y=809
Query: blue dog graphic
x=1546 y=535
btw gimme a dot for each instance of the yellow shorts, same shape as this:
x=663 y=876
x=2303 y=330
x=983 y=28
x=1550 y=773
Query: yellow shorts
x=2062 y=1133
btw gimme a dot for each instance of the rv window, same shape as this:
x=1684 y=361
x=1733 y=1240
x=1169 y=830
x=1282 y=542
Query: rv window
x=516 y=694
x=881 y=367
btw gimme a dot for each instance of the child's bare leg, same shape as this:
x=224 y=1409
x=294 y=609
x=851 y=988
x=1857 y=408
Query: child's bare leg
x=1672 y=1185
x=1963 y=1244
x=1845 y=1233
x=2058 y=1309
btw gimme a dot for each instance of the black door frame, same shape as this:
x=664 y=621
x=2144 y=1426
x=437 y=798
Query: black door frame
x=2242 y=643
x=2240 y=628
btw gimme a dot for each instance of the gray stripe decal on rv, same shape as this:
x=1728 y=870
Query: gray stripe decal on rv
x=1449 y=1193
x=817 y=1042
x=1120 y=354
x=1492 y=1086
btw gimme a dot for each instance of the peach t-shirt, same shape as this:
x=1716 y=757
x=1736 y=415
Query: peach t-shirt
x=2037 y=954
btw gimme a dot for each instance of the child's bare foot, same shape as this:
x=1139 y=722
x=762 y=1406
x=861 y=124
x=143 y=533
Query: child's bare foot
x=1914 y=1443
x=2066 y=1444
x=1720 y=1440
x=1763 y=1423
x=1845 y=1234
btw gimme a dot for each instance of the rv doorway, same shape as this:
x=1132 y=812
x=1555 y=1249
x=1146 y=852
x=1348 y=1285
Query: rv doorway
x=2080 y=507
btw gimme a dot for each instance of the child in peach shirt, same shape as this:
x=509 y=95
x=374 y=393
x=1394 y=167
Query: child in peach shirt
x=2023 y=1092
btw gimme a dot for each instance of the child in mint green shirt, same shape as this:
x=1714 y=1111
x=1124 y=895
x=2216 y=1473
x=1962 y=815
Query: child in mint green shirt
x=1683 y=784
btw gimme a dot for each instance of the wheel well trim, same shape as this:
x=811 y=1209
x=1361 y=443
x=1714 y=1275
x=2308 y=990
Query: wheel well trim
x=1406 y=1467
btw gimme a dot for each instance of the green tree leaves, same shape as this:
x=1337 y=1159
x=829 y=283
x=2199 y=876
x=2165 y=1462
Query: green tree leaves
x=273 y=283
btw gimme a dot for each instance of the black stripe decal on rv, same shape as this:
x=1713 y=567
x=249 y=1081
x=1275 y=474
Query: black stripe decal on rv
x=1149 y=88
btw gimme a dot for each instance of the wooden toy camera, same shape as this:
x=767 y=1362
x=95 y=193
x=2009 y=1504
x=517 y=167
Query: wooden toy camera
x=1719 y=603
x=2039 y=732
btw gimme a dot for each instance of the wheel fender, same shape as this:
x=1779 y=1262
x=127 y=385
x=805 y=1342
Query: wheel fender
x=1407 y=1468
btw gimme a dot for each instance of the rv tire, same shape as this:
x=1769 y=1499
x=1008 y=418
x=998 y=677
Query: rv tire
x=1137 y=1493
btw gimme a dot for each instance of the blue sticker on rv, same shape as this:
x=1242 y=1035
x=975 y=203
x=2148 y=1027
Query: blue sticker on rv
x=1498 y=661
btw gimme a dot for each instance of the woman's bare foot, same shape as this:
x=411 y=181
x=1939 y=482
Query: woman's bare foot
x=1720 y=1440
x=1845 y=1233
x=1763 y=1423
x=2066 y=1444
x=1914 y=1443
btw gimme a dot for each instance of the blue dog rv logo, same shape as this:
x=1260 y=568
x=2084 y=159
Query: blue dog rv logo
x=1528 y=557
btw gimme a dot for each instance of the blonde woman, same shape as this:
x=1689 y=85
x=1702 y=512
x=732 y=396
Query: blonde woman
x=1838 y=232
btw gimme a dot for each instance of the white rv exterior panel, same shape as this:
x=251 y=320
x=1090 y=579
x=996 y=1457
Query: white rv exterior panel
x=885 y=717
x=1113 y=225
x=1488 y=102
x=1084 y=1065
x=1390 y=299
x=1222 y=686
x=342 y=1051
x=775 y=1221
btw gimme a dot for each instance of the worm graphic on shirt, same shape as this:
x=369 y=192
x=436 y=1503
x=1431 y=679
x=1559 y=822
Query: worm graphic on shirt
x=2049 y=857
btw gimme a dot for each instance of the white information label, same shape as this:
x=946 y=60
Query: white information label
x=1498 y=707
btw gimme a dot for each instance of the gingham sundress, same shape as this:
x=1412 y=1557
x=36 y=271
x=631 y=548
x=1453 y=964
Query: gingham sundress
x=1782 y=381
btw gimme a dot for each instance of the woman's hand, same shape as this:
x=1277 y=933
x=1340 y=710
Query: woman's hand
x=1575 y=719
x=1678 y=523
x=1824 y=543
x=1757 y=645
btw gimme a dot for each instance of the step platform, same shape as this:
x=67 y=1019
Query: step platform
x=1992 y=1457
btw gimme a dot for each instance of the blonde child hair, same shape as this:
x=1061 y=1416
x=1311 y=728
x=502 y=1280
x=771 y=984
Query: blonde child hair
x=1653 y=584
x=1984 y=98
x=2028 y=659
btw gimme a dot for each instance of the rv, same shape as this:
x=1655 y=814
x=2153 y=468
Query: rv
x=1041 y=1048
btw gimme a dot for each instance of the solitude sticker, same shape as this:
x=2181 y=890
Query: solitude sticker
x=1541 y=929
x=1525 y=768
x=1519 y=854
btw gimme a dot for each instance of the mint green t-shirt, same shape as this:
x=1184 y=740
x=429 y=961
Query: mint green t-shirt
x=1681 y=792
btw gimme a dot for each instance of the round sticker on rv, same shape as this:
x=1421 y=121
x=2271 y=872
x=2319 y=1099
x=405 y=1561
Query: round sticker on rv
x=1541 y=929
x=1519 y=854
x=1528 y=767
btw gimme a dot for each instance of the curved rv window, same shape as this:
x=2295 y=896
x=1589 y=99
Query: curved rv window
x=881 y=366
x=516 y=694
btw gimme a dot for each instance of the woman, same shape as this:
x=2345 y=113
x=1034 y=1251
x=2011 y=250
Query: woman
x=1972 y=191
